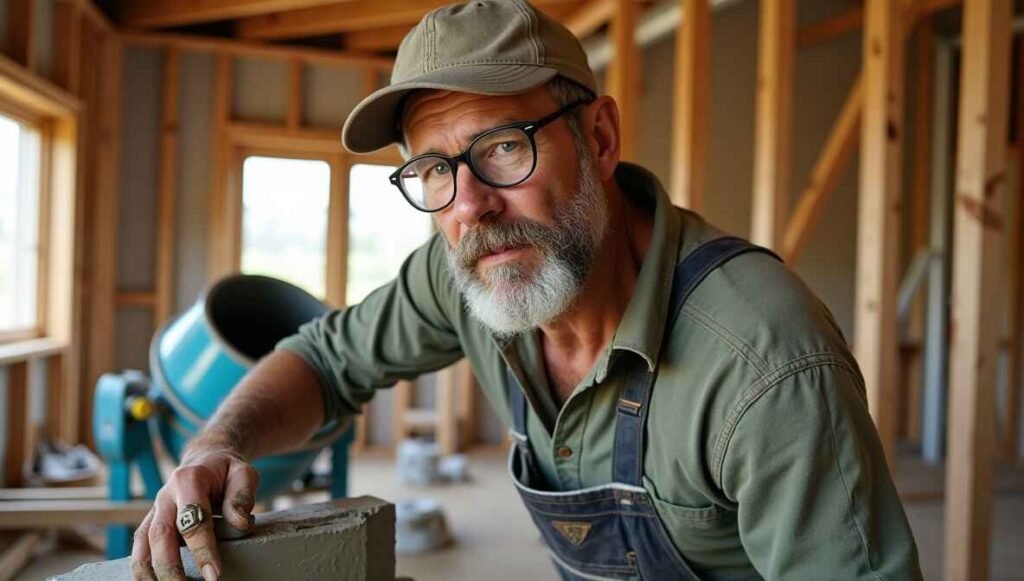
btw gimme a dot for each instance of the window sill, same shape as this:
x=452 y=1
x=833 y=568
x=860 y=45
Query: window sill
x=31 y=349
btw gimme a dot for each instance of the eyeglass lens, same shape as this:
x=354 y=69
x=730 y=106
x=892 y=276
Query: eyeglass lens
x=500 y=158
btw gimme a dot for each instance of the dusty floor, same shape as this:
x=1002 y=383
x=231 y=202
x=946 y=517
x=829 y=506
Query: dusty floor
x=494 y=538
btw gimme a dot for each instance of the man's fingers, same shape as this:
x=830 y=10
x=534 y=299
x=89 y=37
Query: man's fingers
x=163 y=541
x=200 y=539
x=240 y=495
x=141 y=569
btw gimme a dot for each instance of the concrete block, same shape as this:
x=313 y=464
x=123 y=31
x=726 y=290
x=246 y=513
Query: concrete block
x=352 y=539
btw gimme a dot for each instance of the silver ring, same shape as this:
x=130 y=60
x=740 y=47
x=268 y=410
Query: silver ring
x=190 y=516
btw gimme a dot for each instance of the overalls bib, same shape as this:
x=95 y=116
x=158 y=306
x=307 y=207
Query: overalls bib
x=613 y=531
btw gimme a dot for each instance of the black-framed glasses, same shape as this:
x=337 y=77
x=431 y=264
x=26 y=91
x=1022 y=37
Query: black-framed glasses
x=501 y=157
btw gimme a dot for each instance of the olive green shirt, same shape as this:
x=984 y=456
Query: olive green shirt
x=761 y=456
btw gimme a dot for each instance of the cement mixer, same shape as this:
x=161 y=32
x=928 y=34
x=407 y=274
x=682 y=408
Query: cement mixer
x=195 y=361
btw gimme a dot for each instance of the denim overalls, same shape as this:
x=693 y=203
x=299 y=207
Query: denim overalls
x=612 y=531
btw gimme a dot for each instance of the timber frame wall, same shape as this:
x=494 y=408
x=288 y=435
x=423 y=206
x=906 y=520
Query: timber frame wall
x=872 y=119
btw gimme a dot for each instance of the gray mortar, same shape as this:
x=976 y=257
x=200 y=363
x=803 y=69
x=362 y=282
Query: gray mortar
x=352 y=539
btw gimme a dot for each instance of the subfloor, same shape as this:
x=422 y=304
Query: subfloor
x=495 y=540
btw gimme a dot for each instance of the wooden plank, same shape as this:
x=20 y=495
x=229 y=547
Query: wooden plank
x=375 y=39
x=401 y=403
x=467 y=386
x=690 y=106
x=322 y=142
x=54 y=493
x=333 y=58
x=17 y=452
x=773 y=125
x=590 y=17
x=27 y=90
x=20 y=32
x=828 y=169
x=342 y=17
x=294 y=114
x=446 y=431
x=851 y=21
x=166 y=207
x=170 y=13
x=1015 y=363
x=879 y=214
x=18 y=554
x=920 y=207
x=67 y=40
x=222 y=231
x=56 y=396
x=45 y=514
x=21 y=351
x=624 y=77
x=978 y=226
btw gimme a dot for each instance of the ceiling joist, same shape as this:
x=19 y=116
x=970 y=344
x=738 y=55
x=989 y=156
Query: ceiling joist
x=149 y=14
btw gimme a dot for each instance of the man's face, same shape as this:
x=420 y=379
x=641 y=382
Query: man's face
x=518 y=254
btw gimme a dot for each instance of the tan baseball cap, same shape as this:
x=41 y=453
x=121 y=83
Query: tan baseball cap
x=488 y=47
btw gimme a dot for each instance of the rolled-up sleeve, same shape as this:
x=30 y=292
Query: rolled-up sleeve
x=814 y=495
x=401 y=330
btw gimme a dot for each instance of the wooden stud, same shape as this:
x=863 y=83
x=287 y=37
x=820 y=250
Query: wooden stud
x=295 y=85
x=467 y=403
x=223 y=230
x=17 y=451
x=875 y=344
x=590 y=17
x=446 y=431
x=67 y=44
x=978 y=227
x=342 y=17
x=166 y=208
x=690 y=106
x=171 y=13
x=773 y=128
x=20 y=32
x=623 y=81
x=834 y=157
x=57 y=401
x=401 y=403
x=1015 y=363
x=224 y=46
x=830 y=28
x=920 y=207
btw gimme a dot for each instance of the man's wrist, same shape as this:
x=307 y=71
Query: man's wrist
x=213 y=440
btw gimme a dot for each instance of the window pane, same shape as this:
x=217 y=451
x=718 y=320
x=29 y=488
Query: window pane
x=383 y=229
x=284 y=220
x=19 y=225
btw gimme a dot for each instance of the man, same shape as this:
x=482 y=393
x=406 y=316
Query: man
x=684 y=408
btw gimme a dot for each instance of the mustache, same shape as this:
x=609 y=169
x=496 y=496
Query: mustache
x=481 y=241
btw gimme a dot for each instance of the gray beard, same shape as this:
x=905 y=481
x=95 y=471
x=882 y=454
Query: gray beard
x=510 y=300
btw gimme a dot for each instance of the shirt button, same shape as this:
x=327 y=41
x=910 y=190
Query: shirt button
x=564 y=451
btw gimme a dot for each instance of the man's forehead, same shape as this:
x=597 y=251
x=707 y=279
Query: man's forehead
x=433 y=118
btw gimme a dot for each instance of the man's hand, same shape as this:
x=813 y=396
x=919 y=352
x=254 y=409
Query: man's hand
x=209 y=476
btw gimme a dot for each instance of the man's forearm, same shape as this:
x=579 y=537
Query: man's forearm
x=276 y=407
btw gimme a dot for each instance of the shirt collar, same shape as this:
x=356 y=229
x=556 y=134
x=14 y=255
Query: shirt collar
x=643 y=323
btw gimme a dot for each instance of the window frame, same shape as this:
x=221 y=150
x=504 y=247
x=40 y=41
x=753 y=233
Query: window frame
x=43 y=126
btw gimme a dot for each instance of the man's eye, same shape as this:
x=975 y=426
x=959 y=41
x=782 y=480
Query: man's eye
x=440 y=169
x=508 y=146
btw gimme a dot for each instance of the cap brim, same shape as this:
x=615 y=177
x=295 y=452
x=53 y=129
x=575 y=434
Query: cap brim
x=373 y=124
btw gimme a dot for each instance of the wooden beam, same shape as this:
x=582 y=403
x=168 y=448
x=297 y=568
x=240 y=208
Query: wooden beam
x=1015 y=366
x=978 y=227
x=446 y=432
x=33 y=92
x=833 y=159
x=690 y=106
x=920 y=208
x=136 y=299
x=624 y=77
x=343 y=17
x=223 y=46
x=17 y=452
x=467 y=385
x=166 y=207
x=18 y=554
x=774 y=124
x=20 y=32
x=590 y=17
x=67 y=40
x=852 y=20
x=169 y=13
x=21 y=351
x=376 y=39
x=879 y=214
x=401 y=403
x=43 y=514
x=224 y=226
x=54 y=493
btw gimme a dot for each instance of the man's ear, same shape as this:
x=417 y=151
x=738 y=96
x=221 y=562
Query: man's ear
x=602 y=122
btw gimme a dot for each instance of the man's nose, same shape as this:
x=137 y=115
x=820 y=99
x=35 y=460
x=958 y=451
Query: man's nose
x=475 y=201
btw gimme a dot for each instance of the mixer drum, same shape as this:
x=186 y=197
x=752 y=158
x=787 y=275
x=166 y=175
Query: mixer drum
x=199 y=357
